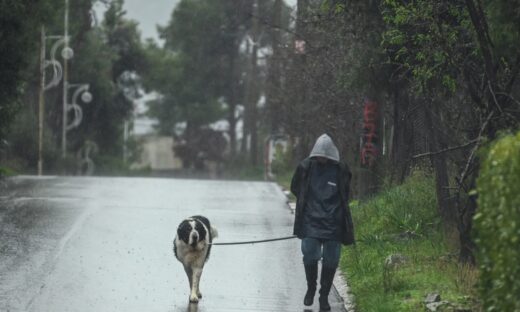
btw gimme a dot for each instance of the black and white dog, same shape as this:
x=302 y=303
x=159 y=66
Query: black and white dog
x=192 y=247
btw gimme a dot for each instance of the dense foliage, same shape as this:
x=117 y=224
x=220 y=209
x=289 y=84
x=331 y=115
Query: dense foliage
x=19 y=39
x=192 y=49
x=497 y=225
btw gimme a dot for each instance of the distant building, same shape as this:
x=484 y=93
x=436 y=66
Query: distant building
x=157 y=154
x=157 y=150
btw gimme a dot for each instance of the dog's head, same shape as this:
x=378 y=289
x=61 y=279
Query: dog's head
x=191 y=232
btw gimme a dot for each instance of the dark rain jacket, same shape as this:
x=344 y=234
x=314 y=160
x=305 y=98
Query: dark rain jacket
x=300 y=187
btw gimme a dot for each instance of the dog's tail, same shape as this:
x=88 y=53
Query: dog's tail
x=214 y=232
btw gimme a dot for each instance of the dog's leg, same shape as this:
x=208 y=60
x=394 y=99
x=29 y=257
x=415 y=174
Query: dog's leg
x=198 y=285
x=189 y=272
x=194 y=297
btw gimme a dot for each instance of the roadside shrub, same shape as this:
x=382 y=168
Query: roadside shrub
x=403 y=254
x=282 y=162
x=408 y=207
x=110 y=166
x=497 y=225
x=6 y=172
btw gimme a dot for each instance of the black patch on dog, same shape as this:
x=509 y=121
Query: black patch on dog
x=183 y=232
x=203 y=220
x=202 y=234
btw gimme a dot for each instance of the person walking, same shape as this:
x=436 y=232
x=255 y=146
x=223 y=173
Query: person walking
x=323 y=220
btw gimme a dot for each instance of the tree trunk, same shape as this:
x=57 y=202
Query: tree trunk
x=245 y=115
x=400 y=152
x=438 y=161
x=274 y=85
x=253 y=89
x=232 y=102
x=466 y=212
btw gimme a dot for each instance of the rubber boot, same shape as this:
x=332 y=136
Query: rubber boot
x=327 y=276
x=311 y=273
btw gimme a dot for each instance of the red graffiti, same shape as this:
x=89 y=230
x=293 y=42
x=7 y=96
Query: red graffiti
x=369 y=150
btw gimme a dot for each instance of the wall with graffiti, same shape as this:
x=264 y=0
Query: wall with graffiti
x=369 y=138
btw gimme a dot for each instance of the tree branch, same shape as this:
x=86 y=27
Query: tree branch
x=494 y=97
x=471 y=157
x=449 y=149
x=472 y=89
x=484 y=22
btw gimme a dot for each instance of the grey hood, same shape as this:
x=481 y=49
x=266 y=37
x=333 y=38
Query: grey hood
x=324 y=147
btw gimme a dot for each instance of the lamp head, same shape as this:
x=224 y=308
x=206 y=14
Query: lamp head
x=86 y=97
x=67 y=53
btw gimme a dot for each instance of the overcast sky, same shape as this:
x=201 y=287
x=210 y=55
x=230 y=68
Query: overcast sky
x=151 y=13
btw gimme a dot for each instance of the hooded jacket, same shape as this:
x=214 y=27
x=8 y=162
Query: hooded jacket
x=324 y=147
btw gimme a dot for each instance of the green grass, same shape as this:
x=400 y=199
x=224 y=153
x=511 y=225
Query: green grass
x=6 y=172
x=284 y=178
x=244 y=173
x=431 y=266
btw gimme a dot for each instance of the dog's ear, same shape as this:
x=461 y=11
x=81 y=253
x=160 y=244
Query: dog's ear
x=183 y=231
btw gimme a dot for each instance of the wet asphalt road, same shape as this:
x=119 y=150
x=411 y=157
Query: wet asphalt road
x=105 y=244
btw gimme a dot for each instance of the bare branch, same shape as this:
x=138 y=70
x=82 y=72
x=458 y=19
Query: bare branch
x=449 y=149
x=471 y=157
x=494 y=97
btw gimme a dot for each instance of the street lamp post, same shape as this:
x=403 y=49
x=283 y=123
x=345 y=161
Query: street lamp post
x=59 y=72
x=65 y=86
x=57 y=75
x=41 y=101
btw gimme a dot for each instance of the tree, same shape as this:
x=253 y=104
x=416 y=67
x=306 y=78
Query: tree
x=183 y=73
x=459 y=48
x=202 y=82
x=108 y=57
x=20 y=36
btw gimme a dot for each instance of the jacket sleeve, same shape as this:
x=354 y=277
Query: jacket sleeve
x=296 y=181
x=347 y=176
x=348 y=235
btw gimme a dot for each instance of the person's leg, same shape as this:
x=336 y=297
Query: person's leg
x=331 y=255
x=311 y=250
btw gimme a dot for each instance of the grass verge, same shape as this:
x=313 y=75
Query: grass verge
x=403 y=221
x=6 y=172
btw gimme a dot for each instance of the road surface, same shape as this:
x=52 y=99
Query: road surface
x=105 y=244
